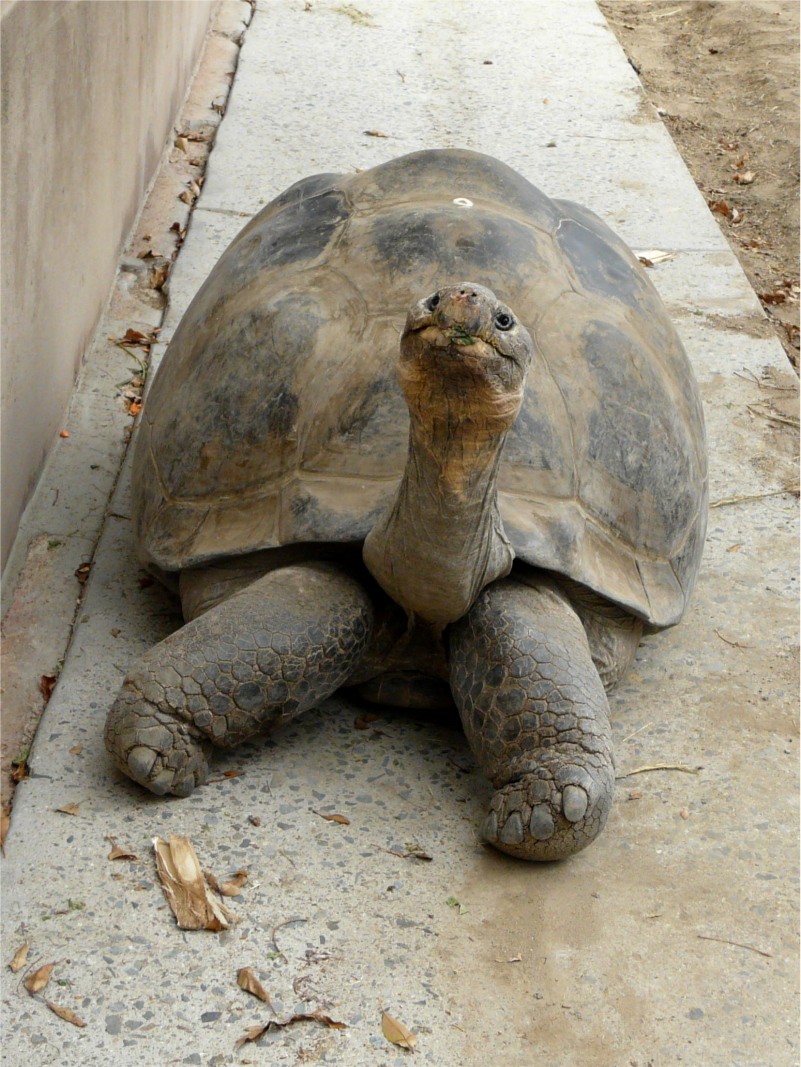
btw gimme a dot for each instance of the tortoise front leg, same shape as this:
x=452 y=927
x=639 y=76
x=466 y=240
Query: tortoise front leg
x=536 y=716
x=270 y=652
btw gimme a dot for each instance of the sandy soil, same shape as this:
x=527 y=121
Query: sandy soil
x=724 y=77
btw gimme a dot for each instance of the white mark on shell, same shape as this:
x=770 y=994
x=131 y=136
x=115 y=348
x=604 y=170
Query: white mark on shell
x=462 y=201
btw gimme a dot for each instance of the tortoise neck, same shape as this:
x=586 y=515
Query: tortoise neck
x=442 y=540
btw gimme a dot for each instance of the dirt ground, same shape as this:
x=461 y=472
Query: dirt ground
x=724 y=77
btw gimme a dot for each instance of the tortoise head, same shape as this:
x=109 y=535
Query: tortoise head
x=464 y=358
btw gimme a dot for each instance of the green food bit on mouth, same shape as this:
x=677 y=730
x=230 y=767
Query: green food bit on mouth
x=459 y=336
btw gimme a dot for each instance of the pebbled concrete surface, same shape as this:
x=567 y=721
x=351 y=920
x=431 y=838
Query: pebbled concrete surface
x=673 y=940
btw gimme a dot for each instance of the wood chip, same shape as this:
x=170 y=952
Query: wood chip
x=185 y=887
x=660 y=767
x=737 y=944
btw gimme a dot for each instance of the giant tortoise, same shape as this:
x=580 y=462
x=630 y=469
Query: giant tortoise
x=488 y=518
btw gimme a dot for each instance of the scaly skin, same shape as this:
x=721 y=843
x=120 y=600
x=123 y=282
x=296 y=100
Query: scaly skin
x=535 y=713
x=267 y=654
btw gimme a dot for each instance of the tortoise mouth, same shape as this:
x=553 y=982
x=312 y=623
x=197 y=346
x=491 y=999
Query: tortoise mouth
x=457 y=342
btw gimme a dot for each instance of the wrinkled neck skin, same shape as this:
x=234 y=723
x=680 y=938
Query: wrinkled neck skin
x=442 y=540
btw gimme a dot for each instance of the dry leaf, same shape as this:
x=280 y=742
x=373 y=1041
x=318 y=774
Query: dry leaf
x=5 y=822
x=65 y=1014
x=47 y=684
x=635 y=794
x=776 y=297
x=118 y=852
x=182 y=144
x=187 y=197
x=247 y=980
x=185 y=887
x=363 y=721
x=69 y=809
x=720 y=207
x=254 y=820
x=158 y=276
x=256 y=1032
x=19 y=770
x=735 y=548
x=134 y=337
x=20 y=958
x=64 y=433
x=232 y=887
x=341 y=819
x=744 y=177
x=82 y=573
x=133 y=409
x=36 y=982
x=397 y=1033
x=375 y=133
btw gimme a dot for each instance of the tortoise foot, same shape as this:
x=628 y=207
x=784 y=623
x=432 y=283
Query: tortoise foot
x=550 y=814
x=161 y=753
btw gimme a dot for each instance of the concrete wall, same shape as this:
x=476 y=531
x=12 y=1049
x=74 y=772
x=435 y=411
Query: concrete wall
x=90 y=89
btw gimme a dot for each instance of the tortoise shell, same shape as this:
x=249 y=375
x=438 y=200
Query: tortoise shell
x=276 y=418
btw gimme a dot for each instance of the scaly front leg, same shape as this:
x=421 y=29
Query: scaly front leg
x=537 y=719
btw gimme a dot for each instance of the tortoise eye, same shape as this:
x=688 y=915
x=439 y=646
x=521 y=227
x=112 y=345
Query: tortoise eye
x=504 y=321
x=432 y=301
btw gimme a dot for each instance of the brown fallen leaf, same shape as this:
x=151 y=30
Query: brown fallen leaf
x=118 y=852
x=776 y=297
x=343 y=820
x=247 y=980
x=232 y=887
x=69 y=809
x=254 y=820
x=47 y=684
x=19 y=769
x=134 y=337
x=256 y=1032
x=82 y=573
x=182 y=144
x=185 y=887
x=5 y=822
x=36 y=982
x=65 y=1014
x=223 y=777
x=635 y=794
x=375 y=133
x=187 y=197
x=158 y=276
x=735 y=548
x=20 y=958
x=63 y=433
x=363 y=721
x=133 y=409
x=397 y=1033
x=745 y=177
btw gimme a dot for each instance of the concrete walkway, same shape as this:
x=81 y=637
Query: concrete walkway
x=670 y=941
